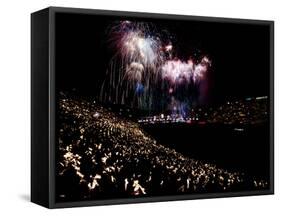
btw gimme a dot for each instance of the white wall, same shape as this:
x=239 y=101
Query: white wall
x=15 y=105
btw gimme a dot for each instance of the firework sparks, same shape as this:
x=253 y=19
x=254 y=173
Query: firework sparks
x=168 y=48
x=134 y=71
x=178 y=72
x=135 y=66
x=144 y=68
x=135 y=46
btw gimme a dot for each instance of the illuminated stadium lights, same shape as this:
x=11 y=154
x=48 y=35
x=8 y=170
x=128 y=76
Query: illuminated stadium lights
x=163 y=119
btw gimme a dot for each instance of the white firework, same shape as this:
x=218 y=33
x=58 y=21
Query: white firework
x=134 y=71
x=178 y=72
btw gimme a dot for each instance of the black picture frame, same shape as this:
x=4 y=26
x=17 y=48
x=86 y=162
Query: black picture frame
x=43 y=107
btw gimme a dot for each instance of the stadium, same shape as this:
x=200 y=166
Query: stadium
x=103 y=153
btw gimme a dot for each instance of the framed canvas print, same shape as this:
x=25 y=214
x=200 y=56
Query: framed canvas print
x=139 y=107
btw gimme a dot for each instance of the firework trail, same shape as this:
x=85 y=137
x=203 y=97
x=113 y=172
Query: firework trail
x=134 y=67
x=144 y=74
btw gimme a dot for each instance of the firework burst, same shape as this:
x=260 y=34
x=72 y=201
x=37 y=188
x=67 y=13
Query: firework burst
x=144 y=72
x=138 y=57
x=179 y=72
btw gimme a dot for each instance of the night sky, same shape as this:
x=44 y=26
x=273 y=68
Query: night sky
x=239 y=53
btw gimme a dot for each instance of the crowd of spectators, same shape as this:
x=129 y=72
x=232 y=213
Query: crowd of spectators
x=102 y=155
x=246 y=111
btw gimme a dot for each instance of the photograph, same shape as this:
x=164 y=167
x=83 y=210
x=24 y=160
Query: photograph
x=155 y=107
x=165 y=108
